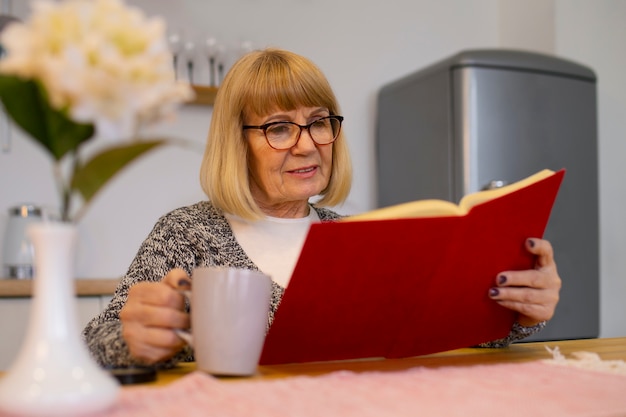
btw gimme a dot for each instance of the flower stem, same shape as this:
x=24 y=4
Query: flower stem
x=64 y=185
x=58 y=179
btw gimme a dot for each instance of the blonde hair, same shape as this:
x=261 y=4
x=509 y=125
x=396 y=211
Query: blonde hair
x=261 y=82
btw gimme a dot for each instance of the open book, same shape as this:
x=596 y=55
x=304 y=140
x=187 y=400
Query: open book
x=403 y=281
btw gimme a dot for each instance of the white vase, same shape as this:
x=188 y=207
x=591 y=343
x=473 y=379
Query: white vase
x=53 y=374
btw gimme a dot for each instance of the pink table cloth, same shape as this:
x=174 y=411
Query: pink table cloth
x=559 y=387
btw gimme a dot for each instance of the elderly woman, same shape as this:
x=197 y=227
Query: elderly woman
x=275 y=142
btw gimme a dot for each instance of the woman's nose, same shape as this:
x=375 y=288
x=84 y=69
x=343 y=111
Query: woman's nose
x=305 y=141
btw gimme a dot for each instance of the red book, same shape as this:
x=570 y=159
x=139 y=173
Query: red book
x=411 y=279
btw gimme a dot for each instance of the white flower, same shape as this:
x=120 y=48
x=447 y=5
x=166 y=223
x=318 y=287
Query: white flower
x=78 y=68
x=103 y=62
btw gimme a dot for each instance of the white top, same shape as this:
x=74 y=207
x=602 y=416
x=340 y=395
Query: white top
x=273 y=244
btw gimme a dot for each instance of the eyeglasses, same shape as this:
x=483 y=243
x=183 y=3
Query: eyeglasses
x=284 y=135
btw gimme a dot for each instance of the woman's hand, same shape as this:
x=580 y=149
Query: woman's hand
x=533 y=293
x=151 y=313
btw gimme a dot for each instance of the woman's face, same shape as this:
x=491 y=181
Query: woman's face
x=282 y=181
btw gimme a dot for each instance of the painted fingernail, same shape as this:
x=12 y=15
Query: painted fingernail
x=494 y=292
x=502 y=279
x=531 y=243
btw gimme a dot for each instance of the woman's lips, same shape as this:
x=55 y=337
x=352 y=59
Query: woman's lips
x=308 y=169
x=305 y=171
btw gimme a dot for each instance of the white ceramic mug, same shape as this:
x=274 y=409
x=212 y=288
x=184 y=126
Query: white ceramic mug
x=229 y=309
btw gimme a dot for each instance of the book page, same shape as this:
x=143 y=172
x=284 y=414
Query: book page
x=421 y=208
x=479 y=197
x=441 y=208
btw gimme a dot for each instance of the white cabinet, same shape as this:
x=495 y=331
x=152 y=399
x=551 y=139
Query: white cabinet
x=92 y=296
x=14 y=316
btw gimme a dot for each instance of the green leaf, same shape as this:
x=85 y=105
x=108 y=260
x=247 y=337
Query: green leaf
x=26 y=102
x=92 y=176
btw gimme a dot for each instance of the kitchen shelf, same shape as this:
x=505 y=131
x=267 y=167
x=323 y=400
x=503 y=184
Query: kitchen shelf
x=205 y=95
x=84 y=287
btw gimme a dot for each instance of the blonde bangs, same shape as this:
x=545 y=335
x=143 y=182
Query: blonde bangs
x=286 y=82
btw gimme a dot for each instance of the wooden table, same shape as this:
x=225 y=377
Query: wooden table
x=608 y=349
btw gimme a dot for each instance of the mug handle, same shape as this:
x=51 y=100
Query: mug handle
x=183 y=333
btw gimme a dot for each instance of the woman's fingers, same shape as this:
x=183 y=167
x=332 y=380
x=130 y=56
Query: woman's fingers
x=152 y=312
x=533 y=293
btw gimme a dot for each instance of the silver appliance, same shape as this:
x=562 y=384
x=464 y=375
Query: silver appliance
x=18 y=251
x=500 y=115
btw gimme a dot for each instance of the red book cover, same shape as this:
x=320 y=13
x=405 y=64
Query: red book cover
x=408 y=286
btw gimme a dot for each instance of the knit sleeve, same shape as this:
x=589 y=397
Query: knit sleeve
x=165 y=248
x=518 y=332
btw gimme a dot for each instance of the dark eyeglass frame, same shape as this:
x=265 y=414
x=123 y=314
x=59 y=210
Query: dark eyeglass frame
x=302 y=127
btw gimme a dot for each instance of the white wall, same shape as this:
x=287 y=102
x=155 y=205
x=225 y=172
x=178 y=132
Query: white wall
x=593 y=32
x=360 y=45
